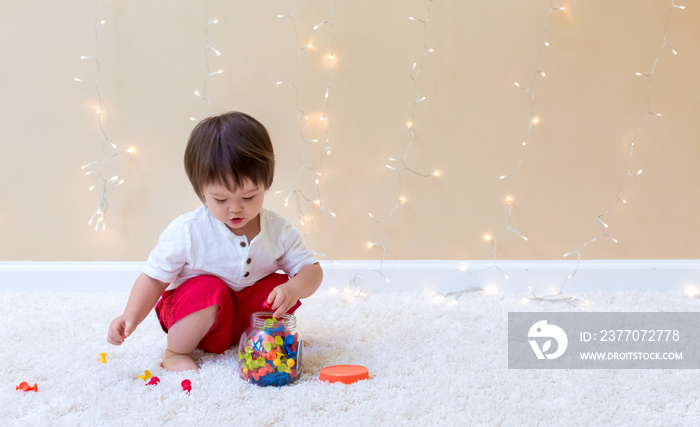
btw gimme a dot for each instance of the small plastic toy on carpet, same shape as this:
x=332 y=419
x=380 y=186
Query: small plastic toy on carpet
x=102 y=357
x=146 y=375
x=186 y=386
x=24 y=386
x=153 y=381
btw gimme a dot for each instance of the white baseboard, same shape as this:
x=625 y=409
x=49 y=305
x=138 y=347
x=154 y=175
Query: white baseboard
x=544 y=277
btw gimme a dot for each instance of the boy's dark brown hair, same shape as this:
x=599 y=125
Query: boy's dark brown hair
x=228 y=149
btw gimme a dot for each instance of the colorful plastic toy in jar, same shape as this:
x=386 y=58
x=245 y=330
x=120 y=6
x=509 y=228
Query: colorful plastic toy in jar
x=269 y=352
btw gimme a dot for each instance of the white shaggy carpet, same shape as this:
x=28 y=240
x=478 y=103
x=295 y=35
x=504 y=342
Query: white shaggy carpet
x=433 y=360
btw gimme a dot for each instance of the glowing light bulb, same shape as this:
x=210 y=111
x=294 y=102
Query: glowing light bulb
x=487 y=237
x=436 y=173
x=535 y=120
x=490 y=290
x=131 y=150
x=509 y=199
x=691 y=291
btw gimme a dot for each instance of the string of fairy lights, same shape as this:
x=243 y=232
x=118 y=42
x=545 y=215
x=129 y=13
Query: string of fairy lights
x=631 y=172
x=399 y=165
x=310 y=171
x=533 y=120
x=109 y=151
x=209 y=50
x=311 y=166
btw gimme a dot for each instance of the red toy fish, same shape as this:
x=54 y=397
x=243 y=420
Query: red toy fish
x=24 y=386
x=153 y=381
x=187 y=386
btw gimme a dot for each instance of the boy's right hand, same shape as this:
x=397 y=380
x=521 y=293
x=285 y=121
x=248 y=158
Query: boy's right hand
x=120 y=329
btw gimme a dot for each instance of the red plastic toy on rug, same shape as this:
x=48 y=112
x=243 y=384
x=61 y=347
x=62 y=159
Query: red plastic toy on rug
x=153 y=381
x=186 y=386
x=24 y=386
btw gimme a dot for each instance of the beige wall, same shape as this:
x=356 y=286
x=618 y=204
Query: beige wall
x=470 y=127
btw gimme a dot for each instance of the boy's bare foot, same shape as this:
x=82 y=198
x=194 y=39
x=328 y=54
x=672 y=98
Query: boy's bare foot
x=178 y=362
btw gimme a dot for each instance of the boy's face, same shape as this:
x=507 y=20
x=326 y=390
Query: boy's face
x=239 y=210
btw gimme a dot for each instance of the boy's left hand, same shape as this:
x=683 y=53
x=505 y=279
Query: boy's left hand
x=282 y=298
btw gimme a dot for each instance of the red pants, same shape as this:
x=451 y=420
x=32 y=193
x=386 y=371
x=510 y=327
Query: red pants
x=235 y=308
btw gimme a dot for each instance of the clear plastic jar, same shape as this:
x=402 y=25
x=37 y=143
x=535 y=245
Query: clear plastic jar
x=269 y=352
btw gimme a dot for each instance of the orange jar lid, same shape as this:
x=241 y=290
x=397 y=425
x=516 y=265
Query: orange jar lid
x=346 y=374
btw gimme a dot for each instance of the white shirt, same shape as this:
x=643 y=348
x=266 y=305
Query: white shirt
x=196 y=244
